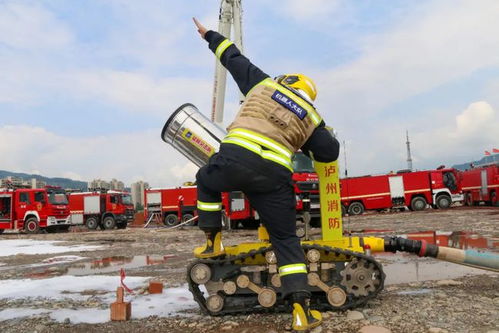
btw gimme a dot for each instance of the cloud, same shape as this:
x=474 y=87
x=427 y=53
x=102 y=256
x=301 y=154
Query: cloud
x=127 y=157
x=138 y=92
x=474 y=130
x=436 y=44
x=31 y=27
x=460 y=138
x=312 y=10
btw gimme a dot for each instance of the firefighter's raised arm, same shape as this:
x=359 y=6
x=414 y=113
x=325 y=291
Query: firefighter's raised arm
x=242 y=70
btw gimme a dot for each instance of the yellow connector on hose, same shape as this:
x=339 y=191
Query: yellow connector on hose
x=376 y=244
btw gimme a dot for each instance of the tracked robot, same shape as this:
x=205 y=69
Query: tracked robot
x=342 y=274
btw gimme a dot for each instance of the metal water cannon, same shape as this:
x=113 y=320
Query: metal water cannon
x=192 y=134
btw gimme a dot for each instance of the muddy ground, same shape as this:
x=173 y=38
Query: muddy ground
x=445 y=298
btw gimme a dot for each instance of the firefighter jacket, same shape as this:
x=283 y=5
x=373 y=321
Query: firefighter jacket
x=274 y=121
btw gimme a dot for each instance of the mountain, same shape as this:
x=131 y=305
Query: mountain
x=62 y=182
x=486 y=160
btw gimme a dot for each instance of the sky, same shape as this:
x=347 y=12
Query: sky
x=86 y=86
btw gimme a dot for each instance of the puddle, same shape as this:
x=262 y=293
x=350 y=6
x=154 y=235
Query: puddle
x=405 y=268
x=457 y=239
x=104 y=265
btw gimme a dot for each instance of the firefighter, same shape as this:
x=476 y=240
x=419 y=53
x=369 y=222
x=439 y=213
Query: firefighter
x=276 y=119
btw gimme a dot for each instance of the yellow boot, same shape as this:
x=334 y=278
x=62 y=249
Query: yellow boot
x=213 y=246
x=304 y=318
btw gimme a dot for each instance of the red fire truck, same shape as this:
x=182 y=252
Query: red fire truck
x=176 y=205
x=32 y=210
x=305 y=180
x=415 y=190
x=481 y=185
x=101 y=209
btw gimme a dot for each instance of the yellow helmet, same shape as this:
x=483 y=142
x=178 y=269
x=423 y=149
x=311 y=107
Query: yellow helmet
x=299 y=82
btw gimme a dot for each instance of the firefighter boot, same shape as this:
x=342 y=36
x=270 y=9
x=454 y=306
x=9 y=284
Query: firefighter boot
x=304 y=318
x=213 y=246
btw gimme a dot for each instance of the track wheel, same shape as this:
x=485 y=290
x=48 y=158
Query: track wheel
x=360 y=277
x=336 y=297
x=200 y=273
x=215 y=303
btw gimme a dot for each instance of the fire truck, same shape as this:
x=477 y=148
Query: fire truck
x=178 y=204
x=104 y=209
x=306 y=183
x=481 y=185
x=33 y=210
x=415 y=190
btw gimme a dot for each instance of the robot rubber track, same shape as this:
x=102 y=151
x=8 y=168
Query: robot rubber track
x=341 y=277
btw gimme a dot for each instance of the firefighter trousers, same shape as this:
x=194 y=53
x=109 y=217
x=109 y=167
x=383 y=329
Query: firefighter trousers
x=272 y=197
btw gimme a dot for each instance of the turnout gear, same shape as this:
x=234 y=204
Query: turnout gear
x=213 y=246
x=304 y=318
x=300 y=83
x=269 y=193
x=275 y=118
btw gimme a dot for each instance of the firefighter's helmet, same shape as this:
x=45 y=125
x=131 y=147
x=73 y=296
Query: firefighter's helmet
x=299 y=82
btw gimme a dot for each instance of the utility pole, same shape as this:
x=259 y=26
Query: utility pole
x=230 y=16
x=409 y=159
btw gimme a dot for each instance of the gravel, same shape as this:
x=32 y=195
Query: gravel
x=463 y=304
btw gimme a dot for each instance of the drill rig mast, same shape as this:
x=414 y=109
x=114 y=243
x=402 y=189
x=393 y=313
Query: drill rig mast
x=230 y=16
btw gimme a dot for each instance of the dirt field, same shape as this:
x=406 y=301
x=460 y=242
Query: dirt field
x=420 y=295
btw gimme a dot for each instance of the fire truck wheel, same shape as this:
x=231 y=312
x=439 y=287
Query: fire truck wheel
x=187 y=217
x=171 y=220
x=356 y=208
x=1 y=231
x=109 y=223
x=418 y=203
x=443 y=201
x=92 y=223
x=31 y=226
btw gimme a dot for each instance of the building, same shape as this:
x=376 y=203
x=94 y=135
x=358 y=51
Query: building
x=99 y=184
x=36 y=183
x=117 y=185
x=19 y=182
x=138 y=192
